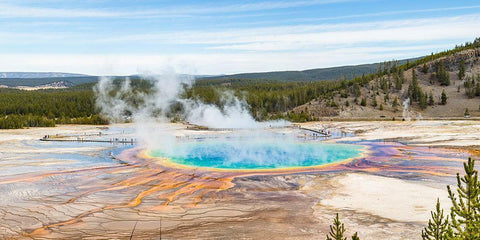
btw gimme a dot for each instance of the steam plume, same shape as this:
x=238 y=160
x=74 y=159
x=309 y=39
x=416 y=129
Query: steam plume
x=149 y=109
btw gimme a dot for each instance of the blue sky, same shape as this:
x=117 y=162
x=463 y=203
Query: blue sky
x=216 y=37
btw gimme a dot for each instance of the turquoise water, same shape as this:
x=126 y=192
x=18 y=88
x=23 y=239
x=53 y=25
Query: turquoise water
x=257 y=154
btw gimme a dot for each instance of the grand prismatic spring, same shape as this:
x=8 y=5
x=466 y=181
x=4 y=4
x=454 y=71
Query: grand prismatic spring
x=252 y=155
x=224 y=185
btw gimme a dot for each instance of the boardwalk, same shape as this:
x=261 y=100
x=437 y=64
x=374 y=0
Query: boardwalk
x=56 y=138
x=321 y=132
x=87 y=140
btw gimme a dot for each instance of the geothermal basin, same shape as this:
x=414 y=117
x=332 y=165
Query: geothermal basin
x=382 y=180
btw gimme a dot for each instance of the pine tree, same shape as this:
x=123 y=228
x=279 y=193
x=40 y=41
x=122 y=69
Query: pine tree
x=444 y=97
x=356 y=90
x=423 y=101
x=402 y=76
x=465 y=211
x=425 y=68
x=414 y=90
x=430 y=99
x=355 y=237
x=398 y=82
x=461 y=71
x=437 y=228
x=363 y=102
x=395 y=102
x=442 y=74
x=337 y=230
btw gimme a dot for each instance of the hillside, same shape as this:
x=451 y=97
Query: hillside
x=317 y=74
x=379 y=94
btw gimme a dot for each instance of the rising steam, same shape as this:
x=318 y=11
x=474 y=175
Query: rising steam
x=121 y=101
x=408 y=112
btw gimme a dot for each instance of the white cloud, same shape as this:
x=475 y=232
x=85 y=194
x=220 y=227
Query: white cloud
x=217 y=63
x=18 y=11
x=371 y=36
x=30 y=37
x=283 y=38
x=13 y=11
x=385 y=13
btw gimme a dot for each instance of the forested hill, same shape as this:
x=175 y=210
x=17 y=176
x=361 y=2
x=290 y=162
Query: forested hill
x=317 y=74
x=442 y=85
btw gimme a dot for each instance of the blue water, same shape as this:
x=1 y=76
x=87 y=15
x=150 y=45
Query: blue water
x=257 y=154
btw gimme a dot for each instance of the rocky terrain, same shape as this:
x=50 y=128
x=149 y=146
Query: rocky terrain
x=53 y=85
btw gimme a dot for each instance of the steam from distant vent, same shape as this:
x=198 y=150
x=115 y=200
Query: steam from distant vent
x=406 y=114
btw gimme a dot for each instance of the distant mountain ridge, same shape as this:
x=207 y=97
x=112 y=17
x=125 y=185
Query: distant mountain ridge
x=39 y=75
x=39 y=79
x=317 y=74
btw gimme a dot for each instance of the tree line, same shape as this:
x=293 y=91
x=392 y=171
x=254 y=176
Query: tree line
x=45 y=108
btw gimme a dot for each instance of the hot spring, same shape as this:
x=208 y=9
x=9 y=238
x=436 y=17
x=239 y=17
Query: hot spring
x=248 y=154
